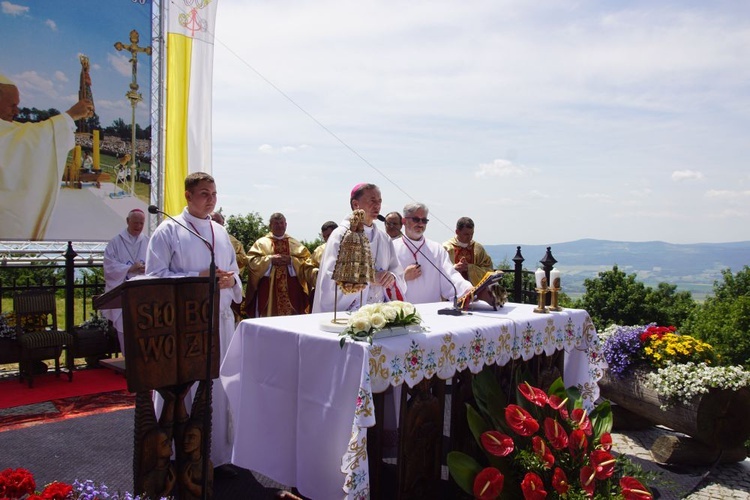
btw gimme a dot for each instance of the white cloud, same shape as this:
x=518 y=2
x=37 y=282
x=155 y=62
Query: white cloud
x=501 y=168
x=60 y=76
x=599 y=197
x=268 y=149
x=51 y=24
x=640 y=193
x=31 y=82
x=120 y=63
x=726 y=194
x=682 y=175
x=13 y=9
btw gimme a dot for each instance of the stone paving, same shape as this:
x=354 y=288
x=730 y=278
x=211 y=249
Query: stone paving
x=724 y=482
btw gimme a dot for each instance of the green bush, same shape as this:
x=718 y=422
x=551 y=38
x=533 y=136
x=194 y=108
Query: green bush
x=723 y=320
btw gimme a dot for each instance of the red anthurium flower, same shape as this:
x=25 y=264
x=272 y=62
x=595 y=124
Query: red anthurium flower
x=532 y=487
x=543 y=452
x=560 y=481
x=588 y=479
x=604 y=463
x=555 y=434
x=605 y=441
x=632 y=489
x=581 y=419
x=497 y=443
x=488 y=484
x=578 y=443
x=556 y=403
x=533 y=394
x=520 y=420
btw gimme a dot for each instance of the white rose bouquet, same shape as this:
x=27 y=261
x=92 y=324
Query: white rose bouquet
x=369 y=319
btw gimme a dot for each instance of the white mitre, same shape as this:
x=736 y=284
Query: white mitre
x=4 y=80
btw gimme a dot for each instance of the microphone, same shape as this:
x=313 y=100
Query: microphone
x=206 y=433
x=448 y=311
x=381 y=218
x=153 y=209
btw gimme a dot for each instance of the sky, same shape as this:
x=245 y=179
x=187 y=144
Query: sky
x=545 y=122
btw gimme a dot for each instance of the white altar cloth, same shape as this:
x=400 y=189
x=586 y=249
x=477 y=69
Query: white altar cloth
x=302 y=405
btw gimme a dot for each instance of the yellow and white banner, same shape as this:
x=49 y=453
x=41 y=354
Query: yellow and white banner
x=189 y=76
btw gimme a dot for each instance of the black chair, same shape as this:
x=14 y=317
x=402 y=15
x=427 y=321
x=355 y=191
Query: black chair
x=37 y=333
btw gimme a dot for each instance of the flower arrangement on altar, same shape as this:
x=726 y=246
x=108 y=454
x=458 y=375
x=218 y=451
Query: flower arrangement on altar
x=19 y=484
x=546 y=446
x=364 y=323
x=678 y=367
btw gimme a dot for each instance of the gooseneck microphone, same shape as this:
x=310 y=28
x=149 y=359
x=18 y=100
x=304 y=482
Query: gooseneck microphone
x=153 y=209
x=381 y=218
x=448 y=311
x=206 y=434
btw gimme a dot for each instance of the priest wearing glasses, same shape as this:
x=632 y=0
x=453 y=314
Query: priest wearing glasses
x=421 y=258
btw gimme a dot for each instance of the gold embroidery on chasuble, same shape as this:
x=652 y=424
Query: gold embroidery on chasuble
x=464 y=253
x=281 y=281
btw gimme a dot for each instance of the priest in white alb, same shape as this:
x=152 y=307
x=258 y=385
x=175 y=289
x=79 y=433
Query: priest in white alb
x=32 y=161
x=125 y=258
x=175 y=251
x=421 y=258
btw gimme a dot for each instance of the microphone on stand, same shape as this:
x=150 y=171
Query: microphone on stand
x=381 y=218
x=448 y=311
x=153 y=209
x=206 y=434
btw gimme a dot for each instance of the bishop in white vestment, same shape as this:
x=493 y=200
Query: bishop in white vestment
x=390 y=283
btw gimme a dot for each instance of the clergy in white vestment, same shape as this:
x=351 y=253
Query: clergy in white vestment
x=389 y=276
x=125 y=258
x=421 y=258
x=174 y=251
x=32 y=162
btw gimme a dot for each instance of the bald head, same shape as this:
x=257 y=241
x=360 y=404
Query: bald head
x=136 y=220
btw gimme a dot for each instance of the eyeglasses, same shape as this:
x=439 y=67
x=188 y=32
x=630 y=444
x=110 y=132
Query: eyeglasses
x=417 y=220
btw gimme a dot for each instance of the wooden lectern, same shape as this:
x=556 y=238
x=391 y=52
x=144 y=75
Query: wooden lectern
x=165 y=321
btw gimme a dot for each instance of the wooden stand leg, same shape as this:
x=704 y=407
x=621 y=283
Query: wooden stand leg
x=420 y=439
x=461 y=438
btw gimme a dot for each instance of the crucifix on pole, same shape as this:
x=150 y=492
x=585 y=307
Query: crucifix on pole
x=133 y=95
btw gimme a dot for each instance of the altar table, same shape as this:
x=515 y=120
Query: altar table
x=301 y=404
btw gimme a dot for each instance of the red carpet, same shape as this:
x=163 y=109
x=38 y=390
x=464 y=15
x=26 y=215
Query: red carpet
x=47 y=387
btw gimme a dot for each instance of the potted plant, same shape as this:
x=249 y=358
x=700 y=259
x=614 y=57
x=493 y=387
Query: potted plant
x=547 y=445
x=674 y=380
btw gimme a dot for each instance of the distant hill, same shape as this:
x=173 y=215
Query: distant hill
x=692 y=267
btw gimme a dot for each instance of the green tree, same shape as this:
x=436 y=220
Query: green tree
x=723 y=320
x=312 y=245
x=246 y=228
x=666 y=306
x=614 y=297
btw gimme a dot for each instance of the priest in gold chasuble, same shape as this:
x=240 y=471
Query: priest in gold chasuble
x=469 y=257
x=276 y=274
